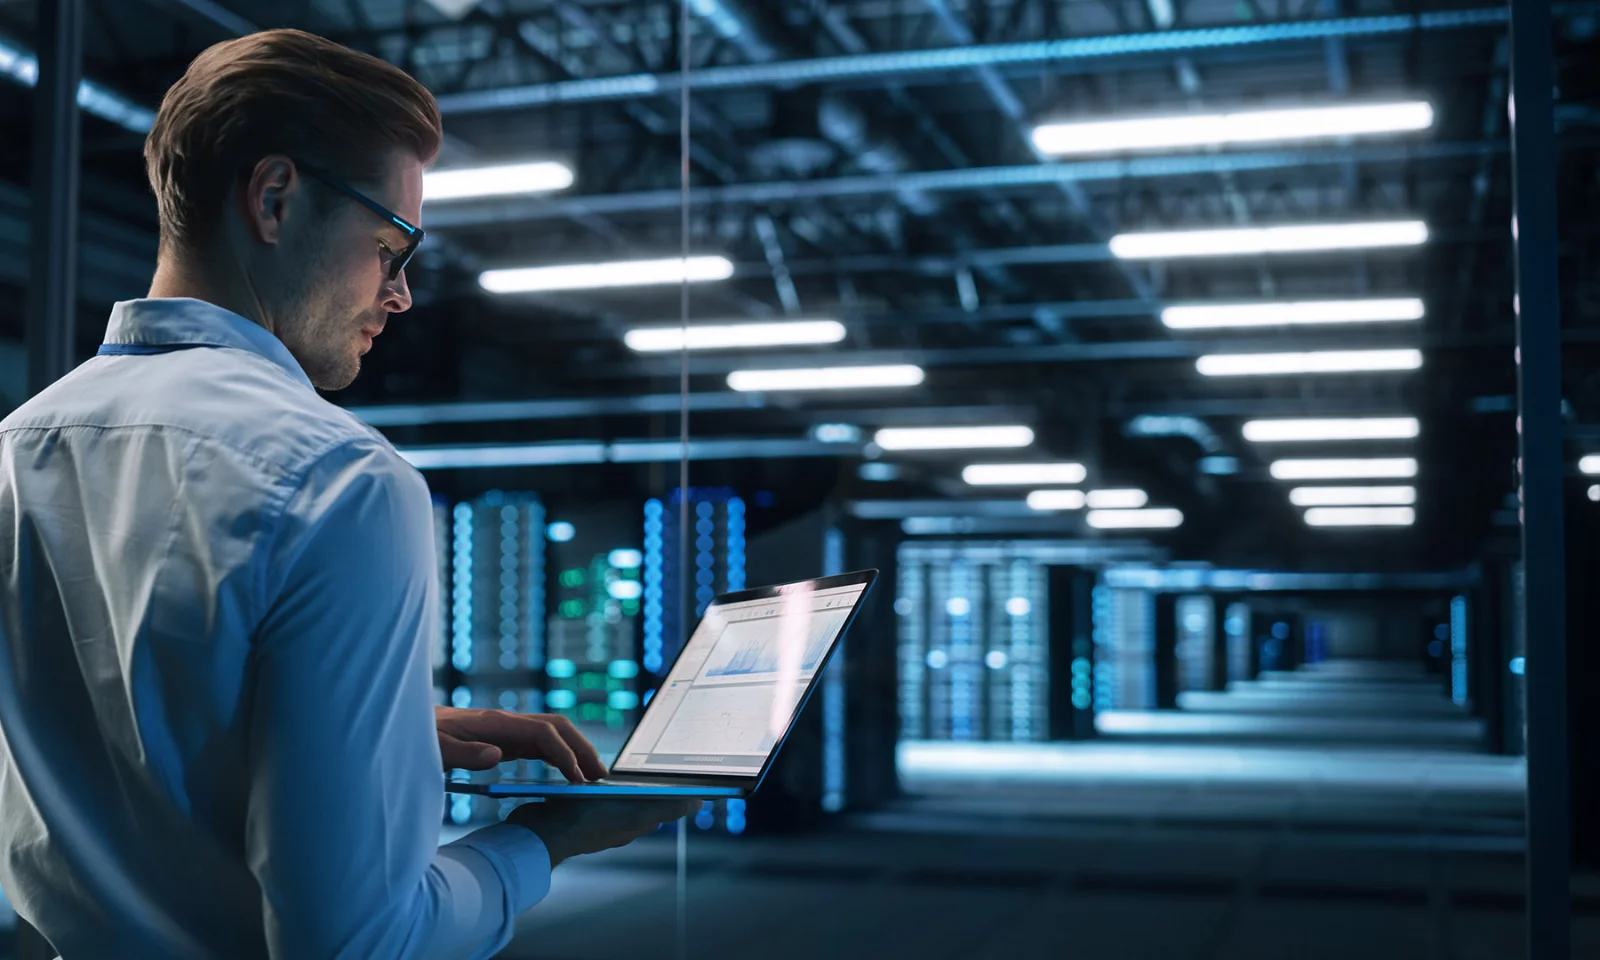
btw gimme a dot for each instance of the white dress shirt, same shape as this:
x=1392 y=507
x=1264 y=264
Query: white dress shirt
x=217 y=734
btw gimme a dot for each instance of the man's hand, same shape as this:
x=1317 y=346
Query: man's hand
x=479 y=739
x=572 y=828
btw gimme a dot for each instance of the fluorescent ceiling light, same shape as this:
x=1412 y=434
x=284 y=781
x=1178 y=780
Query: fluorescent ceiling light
x=731 y=336
x=1353 y=496
x=1204 y=316
x=1590 y=464
x=825 y=378
x=1056 y=500
x=953 y=438
x=836 y=433
x=508 y=180
x=1325 y=361
x=1258 y=240
x=1023 y=474
x=1222 y=129
x=1117 y=499
x=1363 y=428
x=521 y=455
x=1397 y=467
x=1155 y=518
x=592 y=276
x=1361 y=516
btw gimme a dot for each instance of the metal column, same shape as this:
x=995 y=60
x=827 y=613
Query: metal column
x=53 y=284
x=1543 y=545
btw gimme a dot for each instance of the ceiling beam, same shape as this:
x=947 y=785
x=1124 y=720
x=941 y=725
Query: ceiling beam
x=513 y=209
x=1057 y=54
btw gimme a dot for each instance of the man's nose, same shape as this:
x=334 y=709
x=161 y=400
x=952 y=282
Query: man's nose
x=397 y=295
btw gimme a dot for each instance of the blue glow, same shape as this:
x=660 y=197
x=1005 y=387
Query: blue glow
x=1442 y=631
x=1518 y=666
x=461 y=588
x=996 y=659
x=1458 y=650
x=707 y=816
x=654 y=608
x=625 y=589
x=734 y=820
x=560 y=532
x=647 y=695
x=1280 y=631
x=833 y=681
x=836 y=433
x=736 y=545
x=561 y=669
x=461 y=698
x=561 y=699
x=533 y=648
x=508 y=699
x=1435 y=649
x=460 y=808
x=622 y=700
x=1105 y=647
x=958 y=606
x=623 y=669
x=625 y=559
x=937 y=659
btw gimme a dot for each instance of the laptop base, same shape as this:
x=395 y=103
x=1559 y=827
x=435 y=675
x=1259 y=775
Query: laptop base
x=597 y=790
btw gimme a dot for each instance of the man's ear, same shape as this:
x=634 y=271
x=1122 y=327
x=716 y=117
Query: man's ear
x=266 y=196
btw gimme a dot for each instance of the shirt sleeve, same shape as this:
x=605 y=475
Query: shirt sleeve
x=346 y=794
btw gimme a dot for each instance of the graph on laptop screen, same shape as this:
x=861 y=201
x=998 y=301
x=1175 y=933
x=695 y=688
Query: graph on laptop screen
x=733 y=692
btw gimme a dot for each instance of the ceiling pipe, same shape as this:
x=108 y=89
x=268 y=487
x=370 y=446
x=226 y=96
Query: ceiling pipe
x=1056 y=53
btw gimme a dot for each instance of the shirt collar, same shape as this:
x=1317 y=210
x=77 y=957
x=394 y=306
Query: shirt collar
x=173 y=321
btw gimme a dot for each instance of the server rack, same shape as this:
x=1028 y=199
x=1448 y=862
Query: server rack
x=974 y=649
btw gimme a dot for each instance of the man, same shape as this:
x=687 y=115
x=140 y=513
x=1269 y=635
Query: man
x=218 y=588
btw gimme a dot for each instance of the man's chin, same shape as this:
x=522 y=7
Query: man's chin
x=331 y=380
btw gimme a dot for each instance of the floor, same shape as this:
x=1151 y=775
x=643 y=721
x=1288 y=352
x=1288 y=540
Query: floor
x=1244 y=827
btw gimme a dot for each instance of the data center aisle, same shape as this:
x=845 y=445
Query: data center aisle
x=1245 y=828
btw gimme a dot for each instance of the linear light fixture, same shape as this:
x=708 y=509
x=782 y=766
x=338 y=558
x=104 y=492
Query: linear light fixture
x=1225 y=129
x=593 y=276
x=1043 y=500
x=1361 y=516
x=1127 y=499
x=500 y=181
x=1590 y=464
x=1305 y=238
x=1209 y=316
x=1359 y=469
x=825 y=378
x=1353 y=496
x=1359 y=428
x=953 y=438
x=1153 y=518
x=1322 y=361
x=1023 y=474
x=732 y=336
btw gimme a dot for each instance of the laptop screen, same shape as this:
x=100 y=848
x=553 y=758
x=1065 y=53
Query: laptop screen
x=739 y=682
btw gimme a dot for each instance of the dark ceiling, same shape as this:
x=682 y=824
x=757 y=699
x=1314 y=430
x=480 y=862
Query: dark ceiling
x=900 y=195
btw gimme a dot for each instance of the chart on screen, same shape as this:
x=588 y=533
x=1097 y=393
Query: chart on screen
x=749 y=648
x=725 y=720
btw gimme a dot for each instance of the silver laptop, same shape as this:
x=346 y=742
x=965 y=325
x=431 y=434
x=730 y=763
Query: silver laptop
x=730 y=699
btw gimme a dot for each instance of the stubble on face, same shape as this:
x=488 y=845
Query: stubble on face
x=322 y=332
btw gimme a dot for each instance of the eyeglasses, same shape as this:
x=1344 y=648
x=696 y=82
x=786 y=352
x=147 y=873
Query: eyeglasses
x=399 y=261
